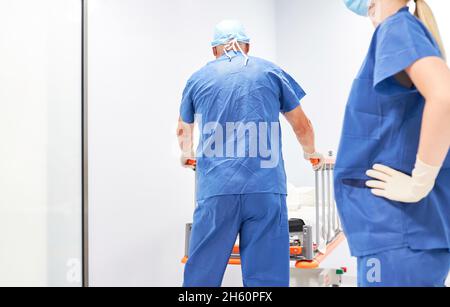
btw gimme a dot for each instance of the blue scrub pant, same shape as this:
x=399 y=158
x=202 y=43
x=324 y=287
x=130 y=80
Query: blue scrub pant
x=262 y=224
x=404 y=267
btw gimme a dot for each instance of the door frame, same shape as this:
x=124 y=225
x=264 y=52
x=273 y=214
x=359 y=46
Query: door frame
x=84 y=132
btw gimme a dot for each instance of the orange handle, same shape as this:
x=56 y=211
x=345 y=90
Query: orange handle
x=191 y=162
x=315 y=162
x=296 y=250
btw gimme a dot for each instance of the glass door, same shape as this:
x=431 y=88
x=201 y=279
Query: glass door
x=41 y=143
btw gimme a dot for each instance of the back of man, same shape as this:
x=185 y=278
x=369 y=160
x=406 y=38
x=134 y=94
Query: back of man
x=237 y=107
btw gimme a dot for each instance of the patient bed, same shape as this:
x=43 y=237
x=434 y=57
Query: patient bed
x=315 y=232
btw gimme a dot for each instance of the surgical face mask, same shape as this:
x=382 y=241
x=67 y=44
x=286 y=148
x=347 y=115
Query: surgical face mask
x=235 y=46
x=360 y=7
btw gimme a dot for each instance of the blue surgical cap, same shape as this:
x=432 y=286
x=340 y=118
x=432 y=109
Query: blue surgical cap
x=228 y=30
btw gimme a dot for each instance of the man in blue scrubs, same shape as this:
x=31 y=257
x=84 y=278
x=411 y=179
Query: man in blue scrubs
x=241 y=182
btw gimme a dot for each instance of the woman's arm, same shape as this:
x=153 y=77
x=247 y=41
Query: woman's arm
x=431 y=76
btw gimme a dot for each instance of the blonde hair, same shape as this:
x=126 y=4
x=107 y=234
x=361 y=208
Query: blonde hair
x=425 y=14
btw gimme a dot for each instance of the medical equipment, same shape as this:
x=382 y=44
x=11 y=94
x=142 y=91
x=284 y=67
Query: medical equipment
x=310 y=244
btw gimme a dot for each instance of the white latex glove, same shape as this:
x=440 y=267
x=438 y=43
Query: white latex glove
x=185 y=157
x=396 y=186
x=317 y=160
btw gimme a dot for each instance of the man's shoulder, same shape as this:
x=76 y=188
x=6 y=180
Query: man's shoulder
x=200 y=73
x=258 y=64
x=264 y=63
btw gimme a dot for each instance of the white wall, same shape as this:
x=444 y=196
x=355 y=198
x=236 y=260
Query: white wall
x=322 y=44
x=141 y=54
x=40 y=137
x=440 y=9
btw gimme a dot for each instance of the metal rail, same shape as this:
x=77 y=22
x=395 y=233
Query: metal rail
x=327 y=220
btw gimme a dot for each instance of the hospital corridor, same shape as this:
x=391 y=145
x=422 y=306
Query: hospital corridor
x=199 y=144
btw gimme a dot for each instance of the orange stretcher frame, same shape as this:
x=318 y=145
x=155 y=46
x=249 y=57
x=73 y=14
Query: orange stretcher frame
x=314 y=264
x=295 y=250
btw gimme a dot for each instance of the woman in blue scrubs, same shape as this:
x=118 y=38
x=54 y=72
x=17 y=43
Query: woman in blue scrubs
x=392 y=177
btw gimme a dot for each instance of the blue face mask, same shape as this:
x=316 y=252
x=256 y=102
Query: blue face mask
x=360 y=7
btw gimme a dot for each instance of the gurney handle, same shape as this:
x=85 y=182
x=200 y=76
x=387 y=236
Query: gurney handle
x=191 y=162
x=315 y=162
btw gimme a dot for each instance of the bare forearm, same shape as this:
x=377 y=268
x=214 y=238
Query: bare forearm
x=435 y=133
x=305 y=137
x=185 y=136
x=303 y=129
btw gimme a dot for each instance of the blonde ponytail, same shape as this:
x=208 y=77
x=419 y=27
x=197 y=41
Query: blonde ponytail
x=425 y=14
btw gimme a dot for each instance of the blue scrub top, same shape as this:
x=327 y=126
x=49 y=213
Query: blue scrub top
x=228 y=91
x=382 y=125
